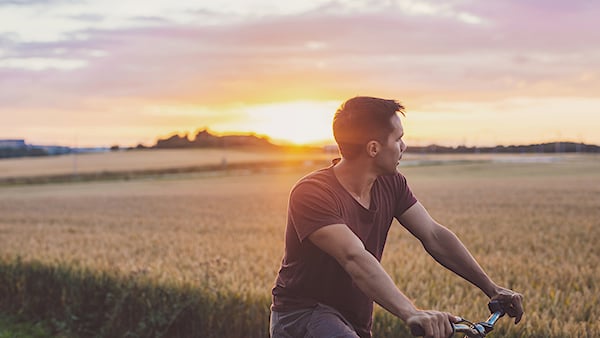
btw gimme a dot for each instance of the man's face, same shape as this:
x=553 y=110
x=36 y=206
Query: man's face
x=391 y=149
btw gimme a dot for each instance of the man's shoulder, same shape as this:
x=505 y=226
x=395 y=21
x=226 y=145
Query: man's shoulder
x=318 y=177
x=320 y=181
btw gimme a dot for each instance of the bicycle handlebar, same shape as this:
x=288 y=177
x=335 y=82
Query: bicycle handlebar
x=474 y=330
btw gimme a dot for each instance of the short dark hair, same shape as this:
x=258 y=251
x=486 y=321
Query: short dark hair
x=362 y=119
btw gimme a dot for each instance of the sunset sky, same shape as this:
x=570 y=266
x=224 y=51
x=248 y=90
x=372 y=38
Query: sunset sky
x=104 y=72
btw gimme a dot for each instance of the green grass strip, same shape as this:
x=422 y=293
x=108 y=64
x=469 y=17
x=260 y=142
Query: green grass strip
x=85 y=303
x=11 y=327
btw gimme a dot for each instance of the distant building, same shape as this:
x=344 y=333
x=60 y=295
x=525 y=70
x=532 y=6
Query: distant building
x=12 y=143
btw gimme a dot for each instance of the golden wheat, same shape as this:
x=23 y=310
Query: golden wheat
x=533 y=227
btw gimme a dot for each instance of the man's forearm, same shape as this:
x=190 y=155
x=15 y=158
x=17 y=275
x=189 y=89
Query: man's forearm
x=371 y=278
x=449 y=251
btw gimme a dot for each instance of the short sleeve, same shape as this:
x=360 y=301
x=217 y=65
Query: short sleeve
x=312 y=206
x=404 y=196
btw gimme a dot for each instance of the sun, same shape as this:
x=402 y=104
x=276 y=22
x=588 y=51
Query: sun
x=300 y=123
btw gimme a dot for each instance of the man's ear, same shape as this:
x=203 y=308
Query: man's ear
x=373 y=148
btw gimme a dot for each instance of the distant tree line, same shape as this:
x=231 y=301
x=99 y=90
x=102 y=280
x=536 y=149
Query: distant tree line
x=553 y=147
x=204 y=139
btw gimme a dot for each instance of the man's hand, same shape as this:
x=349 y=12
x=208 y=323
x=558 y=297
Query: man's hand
x=511 y=301
x=431 y=324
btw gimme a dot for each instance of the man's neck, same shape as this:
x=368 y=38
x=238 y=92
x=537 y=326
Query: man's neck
x=355 y=177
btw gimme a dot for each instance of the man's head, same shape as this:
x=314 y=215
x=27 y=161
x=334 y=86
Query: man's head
x=363 y=119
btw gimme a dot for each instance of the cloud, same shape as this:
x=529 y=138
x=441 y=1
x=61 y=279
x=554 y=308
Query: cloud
x=37 y=64
x=29 y=2
x=167 y=67
x=422 y=50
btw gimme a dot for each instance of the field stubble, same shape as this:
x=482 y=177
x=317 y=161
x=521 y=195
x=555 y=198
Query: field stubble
x=533 y=227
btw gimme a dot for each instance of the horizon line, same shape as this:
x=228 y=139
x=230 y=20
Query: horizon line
x=285 y=143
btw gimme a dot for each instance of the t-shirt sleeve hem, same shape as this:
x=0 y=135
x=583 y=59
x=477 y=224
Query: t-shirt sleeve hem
x=305 y=234
x=407 y=206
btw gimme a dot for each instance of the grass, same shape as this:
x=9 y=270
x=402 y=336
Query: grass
x=11 y=327
x=533 y=226
x=86 y=303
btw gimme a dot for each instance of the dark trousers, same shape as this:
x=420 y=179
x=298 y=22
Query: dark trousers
x=321 y=321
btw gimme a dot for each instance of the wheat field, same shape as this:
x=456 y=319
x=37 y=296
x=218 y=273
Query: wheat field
x=532 y=222
x=140 y=160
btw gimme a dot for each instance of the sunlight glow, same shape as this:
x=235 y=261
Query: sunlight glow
x=300 y=122
x=516 y=120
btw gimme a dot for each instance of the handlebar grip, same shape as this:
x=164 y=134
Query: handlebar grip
x=496 y=306
x=416 y=330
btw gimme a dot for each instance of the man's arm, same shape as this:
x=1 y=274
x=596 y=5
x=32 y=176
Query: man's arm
x=340 y=242
x=443 y=245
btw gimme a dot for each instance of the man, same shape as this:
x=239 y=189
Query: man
x=338 y=220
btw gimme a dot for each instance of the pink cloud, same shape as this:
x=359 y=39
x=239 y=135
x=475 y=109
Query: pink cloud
x=518 y=47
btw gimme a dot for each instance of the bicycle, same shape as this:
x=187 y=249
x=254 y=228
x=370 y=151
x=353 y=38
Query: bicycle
x=469 y=329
